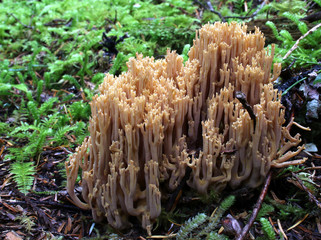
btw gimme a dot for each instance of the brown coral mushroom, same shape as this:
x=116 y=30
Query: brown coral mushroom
x=146 y=123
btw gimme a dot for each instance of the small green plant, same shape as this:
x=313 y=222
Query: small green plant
x=267 y=229
x=26 y=221
x=289 y=210
x=185 y=52
x=119 y=64
x=307 y=53
x=23 y=175
x=44 y=129
x=265 y=210
x=202 y=226
x=190 y=225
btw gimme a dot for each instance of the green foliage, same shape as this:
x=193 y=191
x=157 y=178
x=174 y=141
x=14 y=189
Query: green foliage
x=308 y=51
x=47 y=193
x=72 y=80
x=239 y=6
x=292 y=6
x=80 y=110
x=26 y=221
x=98 y=78
x=289 y=169
x=185 y=52
x=22 y=174
x=225 y=205
x=45 y=129
x=35 y=135
x=119 y=64
x=267 y=229
x=202 y=226
x=308 y=182
x=289 y=210
x=191 y=224
x=212 y=197
x=4 y=128
x=265 y=210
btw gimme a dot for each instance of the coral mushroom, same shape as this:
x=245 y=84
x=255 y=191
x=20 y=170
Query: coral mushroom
x=160 y=117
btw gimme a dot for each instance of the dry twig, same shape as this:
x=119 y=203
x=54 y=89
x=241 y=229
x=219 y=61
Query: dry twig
x=256 y=209
x=223 y=19
x=311 y=196
x=298 y=41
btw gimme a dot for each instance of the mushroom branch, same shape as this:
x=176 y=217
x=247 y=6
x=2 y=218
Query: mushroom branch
x=151 y=123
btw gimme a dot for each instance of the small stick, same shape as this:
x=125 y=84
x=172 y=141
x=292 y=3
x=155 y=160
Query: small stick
x=242 y=98
x=298 y=41
x=256 y=209
x=311 y=196
x=281 y=229
x=26 y=26
x=210 y=7
x=162 y=237
x=252 y=16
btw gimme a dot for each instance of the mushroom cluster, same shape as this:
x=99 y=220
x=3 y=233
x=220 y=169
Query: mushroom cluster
x=217 y=114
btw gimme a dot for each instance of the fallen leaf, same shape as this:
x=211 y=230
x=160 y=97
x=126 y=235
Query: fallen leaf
x=13 y=236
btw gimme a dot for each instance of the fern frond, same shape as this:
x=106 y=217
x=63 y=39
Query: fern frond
x=274 y=30
x=37 y=141
x=213 y=222
x=60 y=133
x=39 y=89
x=118 y=64
x=287 y=38
x=4 y=128
x=33 y=110
x=190 y=225
x=72 y=80
x=292 y=17
x=98 y=78
x=185 y=51
x=26 y=221
x=267 y=229
x=17 y=154
x=23 y=175
x=216 y=236
x=81 y=131
x=227 y=203
x=265 y=210
x=24 y=127
x=50 y=121
x=303 y=28
x=46 y=106
x=80 y=110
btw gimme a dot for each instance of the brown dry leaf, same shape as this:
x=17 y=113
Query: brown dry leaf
x=61 y=227
x=7 y=180
x=275 y=198
x=69 y=225
x=9 y=207
x=1 y=151
x=76 y=229
x=13 y=236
